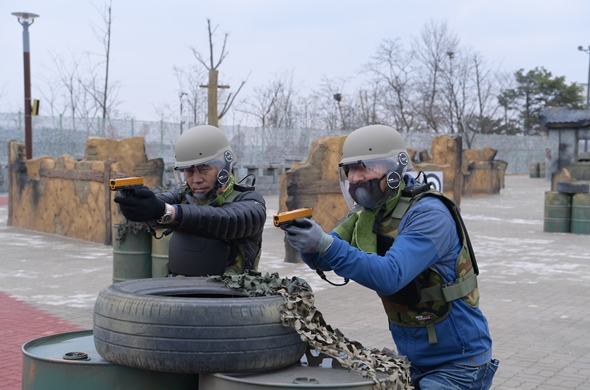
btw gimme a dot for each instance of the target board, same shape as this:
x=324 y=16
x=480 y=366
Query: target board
x=435 y=178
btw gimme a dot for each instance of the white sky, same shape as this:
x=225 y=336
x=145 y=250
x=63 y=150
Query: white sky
x=314 y=38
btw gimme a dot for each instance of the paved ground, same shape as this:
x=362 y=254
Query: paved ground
x=535 y=289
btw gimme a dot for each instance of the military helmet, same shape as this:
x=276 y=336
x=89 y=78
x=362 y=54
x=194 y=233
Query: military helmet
x=201 y=144
x=381 y=150
x=373 y=142
x=204 y=145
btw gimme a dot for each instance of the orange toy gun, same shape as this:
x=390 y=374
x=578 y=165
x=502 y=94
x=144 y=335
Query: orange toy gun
x=125 y=186
x=288 y=216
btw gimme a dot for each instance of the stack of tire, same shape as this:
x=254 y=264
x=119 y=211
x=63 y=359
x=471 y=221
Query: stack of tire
x=192 y=325
x=567 y=210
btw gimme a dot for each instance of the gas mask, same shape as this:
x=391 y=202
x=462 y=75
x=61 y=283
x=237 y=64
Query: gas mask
x=370 y=193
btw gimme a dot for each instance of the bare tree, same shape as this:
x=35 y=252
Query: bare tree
x=67 y=82
x=431 y=49
x=262 y=103
x=189 y=81
x=335 y=110
x=284 y=113
x=101 y=93
x=368 y=104
x=212 y=66
x=393 y=66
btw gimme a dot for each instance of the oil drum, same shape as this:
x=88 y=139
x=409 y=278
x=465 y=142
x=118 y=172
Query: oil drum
x=132 y=255
x=160 y=254
x=557 y=212
x=69 y=361
x=581 y=214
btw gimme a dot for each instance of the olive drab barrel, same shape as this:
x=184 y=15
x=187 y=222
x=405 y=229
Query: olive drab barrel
x=160 y=254
x=69 y=361
x=132 y=255
x=580 y=218
x=534 y=170
x=557 y=212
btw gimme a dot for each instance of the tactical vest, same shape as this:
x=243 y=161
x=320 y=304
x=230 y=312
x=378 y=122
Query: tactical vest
x=427 y=300
x=232 y=250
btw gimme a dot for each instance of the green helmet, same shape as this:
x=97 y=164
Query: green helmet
x=204 y=145
x=380 y=149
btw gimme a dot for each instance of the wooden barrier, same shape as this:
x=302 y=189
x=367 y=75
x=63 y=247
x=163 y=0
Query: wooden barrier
x=73 y=198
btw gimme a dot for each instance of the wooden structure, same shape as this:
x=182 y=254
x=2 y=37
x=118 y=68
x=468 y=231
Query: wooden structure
x=446 y=157
x=73 y=198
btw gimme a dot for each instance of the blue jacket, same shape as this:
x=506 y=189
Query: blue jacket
x=427 y=238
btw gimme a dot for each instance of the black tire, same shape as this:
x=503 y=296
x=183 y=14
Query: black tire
x=192 y=325
x=573 y=187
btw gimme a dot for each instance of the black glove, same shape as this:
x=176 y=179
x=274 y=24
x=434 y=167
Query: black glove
x=141 y=205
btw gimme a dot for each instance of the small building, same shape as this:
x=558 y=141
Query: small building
x=570 y=129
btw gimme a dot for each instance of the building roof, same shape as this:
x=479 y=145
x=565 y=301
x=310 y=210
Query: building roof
x=562 y=116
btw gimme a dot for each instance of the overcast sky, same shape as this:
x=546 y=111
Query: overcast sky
x=314 y=38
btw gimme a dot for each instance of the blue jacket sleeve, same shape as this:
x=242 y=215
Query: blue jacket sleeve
x=426 y=234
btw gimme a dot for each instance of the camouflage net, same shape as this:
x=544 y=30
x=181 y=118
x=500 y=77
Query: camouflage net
x=300 y=313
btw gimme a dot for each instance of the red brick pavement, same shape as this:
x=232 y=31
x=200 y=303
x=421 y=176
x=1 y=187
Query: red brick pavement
x=19 y=323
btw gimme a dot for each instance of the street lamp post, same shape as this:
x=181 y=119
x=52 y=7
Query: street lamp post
x=580 y=48
x=182 y=119
x=451 y=55
x=26 y=19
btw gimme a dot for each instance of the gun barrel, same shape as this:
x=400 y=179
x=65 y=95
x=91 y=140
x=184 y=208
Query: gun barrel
x=291 y=215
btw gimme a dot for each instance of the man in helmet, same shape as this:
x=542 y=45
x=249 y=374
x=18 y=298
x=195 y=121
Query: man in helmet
x=217 y=223
x=408 y=243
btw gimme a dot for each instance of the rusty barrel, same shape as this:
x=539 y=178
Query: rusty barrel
x=580 y=219
x=557 y=212
x=132 y=255
x=69 y=361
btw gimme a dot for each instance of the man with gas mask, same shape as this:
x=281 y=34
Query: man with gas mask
x=408 y=243
x=217 y=224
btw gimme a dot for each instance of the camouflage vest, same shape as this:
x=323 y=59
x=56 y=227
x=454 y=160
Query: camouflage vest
x=432 y=298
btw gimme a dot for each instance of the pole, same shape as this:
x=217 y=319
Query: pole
x=588 y=85
x=212 y=116
x=581 y=48
x=27 y=70
x=181 y=119
x=26 y=19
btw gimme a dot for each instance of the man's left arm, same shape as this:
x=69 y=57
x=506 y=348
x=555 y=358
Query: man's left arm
x=244 y=217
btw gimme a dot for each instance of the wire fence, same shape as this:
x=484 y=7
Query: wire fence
x=254 y=146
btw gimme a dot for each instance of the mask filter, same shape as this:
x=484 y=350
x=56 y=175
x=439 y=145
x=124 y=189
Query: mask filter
x=367 y=193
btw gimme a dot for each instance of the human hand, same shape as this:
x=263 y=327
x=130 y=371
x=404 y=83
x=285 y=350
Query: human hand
x=141 y=205
x=306 y=236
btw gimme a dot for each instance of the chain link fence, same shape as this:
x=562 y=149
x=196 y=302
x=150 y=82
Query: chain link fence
x=254 y=146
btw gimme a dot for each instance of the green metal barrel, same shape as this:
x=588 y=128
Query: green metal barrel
x=295 y=376
x=69 y=361
x=581 y=214
x=160 y=255
x=132 y=255
x=534 y=170
x=557 y=212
